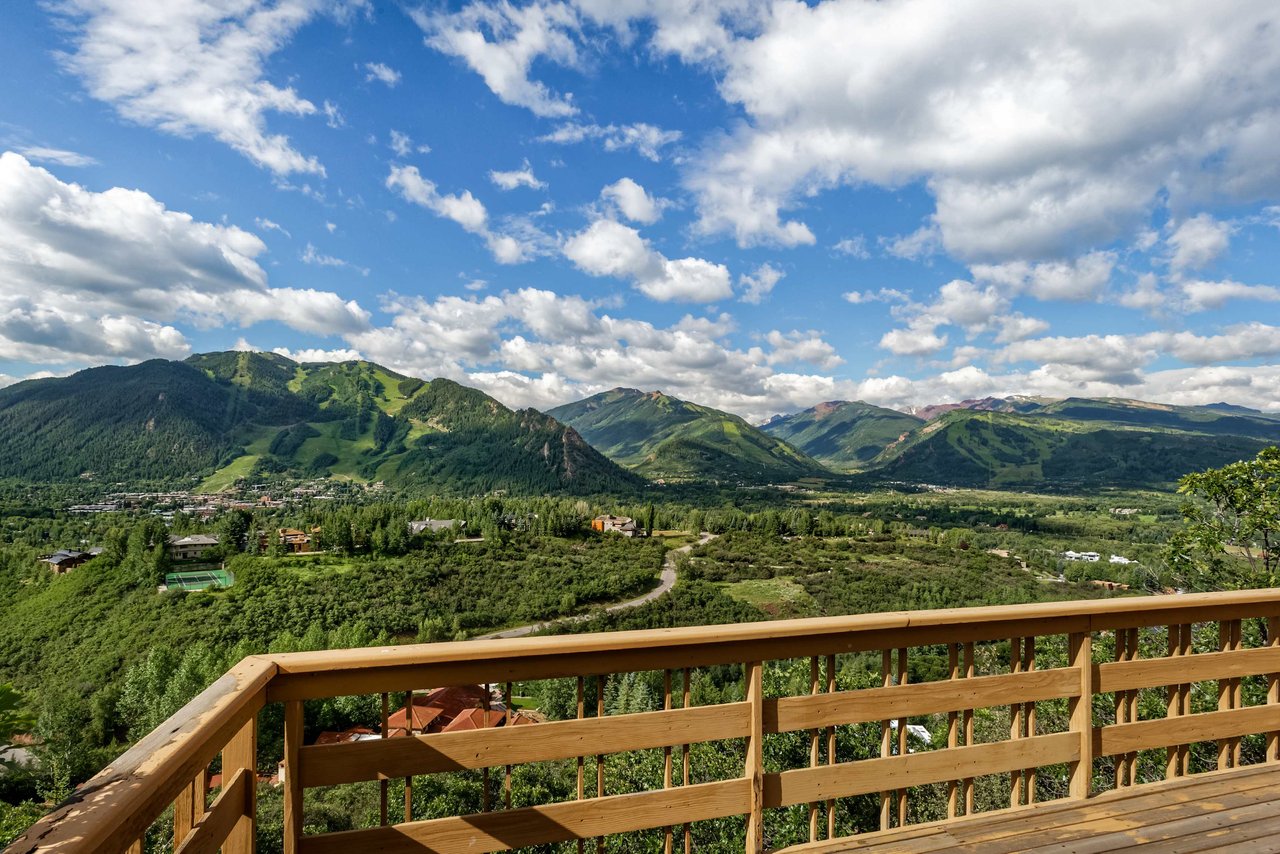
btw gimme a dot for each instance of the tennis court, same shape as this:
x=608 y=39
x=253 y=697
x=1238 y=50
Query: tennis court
x=199 y=579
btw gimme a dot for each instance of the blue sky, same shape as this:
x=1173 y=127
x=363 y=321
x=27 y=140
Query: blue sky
x=758 y=206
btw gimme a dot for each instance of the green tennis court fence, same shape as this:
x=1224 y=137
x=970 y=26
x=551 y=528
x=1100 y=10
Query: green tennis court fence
x=201 y=579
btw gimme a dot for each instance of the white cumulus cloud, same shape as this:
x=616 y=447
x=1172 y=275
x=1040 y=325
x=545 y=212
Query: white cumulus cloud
x=609 y=248
x=102 y=275
x=194 y=67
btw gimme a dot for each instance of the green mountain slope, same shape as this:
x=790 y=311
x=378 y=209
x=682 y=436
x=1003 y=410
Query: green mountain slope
x=841 y=434
x=223 y=416
x=664 y=437
x=153 y=421
x=1067 y=447
x=1196 y=419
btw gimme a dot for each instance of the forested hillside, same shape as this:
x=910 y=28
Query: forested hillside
x=842 y=434
x=664 y=437
x=224 y=416
x=999 y=449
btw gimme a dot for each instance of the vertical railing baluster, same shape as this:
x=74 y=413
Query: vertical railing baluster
x=1081 y=714
x=1237 y=695
x=135 y=847
x=484 y=772
x=1015 y=722
x=383 y=783
x=1131 y=762
x=968 y=727
x=754 y=770
x=1173 y=708
x=667 y=839
x=814 y=744
x=582 y=789
x=831 y=747
x=506 y=783
x=1273 y=689
x=1184 y=695
x=1029 y=715
x=200 y=794
x=886 y=741
x=241 y=754
x=408 y=781
x=953 y=728
x=184 y=817
x=902 y=738
x=1224 y=694
x=600 y=756
x=1121 y=707
x=293 y=723
x=684 y=760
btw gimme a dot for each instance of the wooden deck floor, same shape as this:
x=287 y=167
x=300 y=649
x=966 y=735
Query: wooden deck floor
x=1235 y=810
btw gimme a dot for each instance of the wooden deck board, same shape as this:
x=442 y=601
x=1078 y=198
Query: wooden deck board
x=1236 y=810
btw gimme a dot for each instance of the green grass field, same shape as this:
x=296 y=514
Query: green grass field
x=777 y=597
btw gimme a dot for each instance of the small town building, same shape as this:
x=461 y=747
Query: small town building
x=65 y=560
x=191 y=547
x=449 y=710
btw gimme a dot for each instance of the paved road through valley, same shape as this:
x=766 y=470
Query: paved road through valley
x=666 y=582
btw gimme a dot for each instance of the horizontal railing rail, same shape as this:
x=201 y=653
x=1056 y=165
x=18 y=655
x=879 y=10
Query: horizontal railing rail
x=113 y=811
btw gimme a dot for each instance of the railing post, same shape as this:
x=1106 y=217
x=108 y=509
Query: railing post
x=755 y=757
x=1081 y=712
x=241 y=754
x=293 y=722
x=1273 y=689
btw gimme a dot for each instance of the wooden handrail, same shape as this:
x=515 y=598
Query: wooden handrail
x=114 y=809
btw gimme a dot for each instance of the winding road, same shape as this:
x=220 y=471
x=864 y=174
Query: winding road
x=667 y=580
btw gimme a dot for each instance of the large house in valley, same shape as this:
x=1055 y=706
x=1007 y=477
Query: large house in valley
x=293 y=540
x=191 y=547
x=624 y=525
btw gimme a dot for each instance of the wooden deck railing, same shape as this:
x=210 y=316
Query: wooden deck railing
x=1051 y=660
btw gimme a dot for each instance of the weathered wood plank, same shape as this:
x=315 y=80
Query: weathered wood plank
x=917 y=769
x=331 y=764
x=117 y=806
x=754 y=766
x=498 y=831
x=217 y=825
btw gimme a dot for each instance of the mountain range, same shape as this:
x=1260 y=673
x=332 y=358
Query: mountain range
x=665 y=438
x=1027 y=442
x=216 y=418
